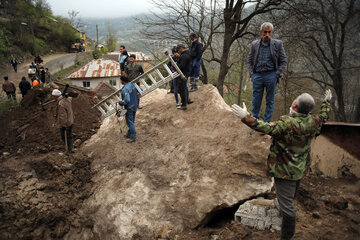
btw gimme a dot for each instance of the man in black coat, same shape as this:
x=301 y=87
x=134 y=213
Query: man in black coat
x=24 y=86
x=184 y=64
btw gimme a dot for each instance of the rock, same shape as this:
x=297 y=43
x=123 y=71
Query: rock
x=259 y=213
x=6 y=153
x=77 y=142
x=28 y=183
x=179 y=175
x=66 y=166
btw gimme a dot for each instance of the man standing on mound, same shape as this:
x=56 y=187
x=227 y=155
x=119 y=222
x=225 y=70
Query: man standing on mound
x=129 y=100
x=289 y=157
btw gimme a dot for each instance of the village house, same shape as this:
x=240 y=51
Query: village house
x=96 y=71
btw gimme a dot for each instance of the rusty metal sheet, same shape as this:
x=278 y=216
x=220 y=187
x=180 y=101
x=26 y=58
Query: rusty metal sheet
x=98 y=68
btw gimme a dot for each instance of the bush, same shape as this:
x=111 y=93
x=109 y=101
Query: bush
x=97 y=54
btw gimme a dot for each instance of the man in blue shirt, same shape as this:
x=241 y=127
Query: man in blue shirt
x=129 y=100
x=266 y=62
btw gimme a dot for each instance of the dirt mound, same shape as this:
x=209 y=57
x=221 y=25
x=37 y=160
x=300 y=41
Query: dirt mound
x=30 y=127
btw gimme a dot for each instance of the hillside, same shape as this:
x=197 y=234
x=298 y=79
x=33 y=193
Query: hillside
x=29 y=28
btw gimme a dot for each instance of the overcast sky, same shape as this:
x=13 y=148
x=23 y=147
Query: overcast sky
x=100 y=8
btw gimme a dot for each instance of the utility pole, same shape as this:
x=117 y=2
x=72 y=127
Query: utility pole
x=97 y=35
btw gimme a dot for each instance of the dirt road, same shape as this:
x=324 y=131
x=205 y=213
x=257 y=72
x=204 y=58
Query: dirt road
x=22 y=68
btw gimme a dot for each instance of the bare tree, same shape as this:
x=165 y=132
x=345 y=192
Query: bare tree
x=325 y=30
x=177 y=19
x=237 y=16
x=111 y=40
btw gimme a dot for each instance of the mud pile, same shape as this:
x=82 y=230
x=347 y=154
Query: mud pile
x=185 y=167
x=31 y=127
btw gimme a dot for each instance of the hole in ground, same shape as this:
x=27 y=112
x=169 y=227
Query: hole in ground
x=223 y=214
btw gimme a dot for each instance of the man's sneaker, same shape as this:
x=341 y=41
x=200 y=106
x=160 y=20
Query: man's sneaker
x=181 y=107
x=126 y=136
x=190 y=101
x=178 y=105
x=130 y=140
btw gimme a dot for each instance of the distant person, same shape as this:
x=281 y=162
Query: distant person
x=38 y=59
x=266 y=63
x=175 y=81
x=42 y=75
x=196 y=54
x=24 y=86
x=184 y=65
x=289 y=157
x=129 y=99
x=14 y=64
x=134 y=70
x=9 y=88
x=123 y=59
x=47 y=76
x=34 y=81
x=64 y=117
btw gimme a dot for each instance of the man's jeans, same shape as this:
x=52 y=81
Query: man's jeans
x=195 y=68
x=260 y=81
x=130 y=122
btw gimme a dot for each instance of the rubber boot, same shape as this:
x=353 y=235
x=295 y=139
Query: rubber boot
x=196 y=84
x=192 y=84
x=287 y=227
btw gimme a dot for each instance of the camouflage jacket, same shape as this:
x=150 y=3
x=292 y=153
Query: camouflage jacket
x=289 y=156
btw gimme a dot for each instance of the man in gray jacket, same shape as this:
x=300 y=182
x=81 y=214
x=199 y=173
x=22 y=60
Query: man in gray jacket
x=266 y=62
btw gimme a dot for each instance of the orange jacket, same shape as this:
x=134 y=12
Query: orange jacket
x=34 y=83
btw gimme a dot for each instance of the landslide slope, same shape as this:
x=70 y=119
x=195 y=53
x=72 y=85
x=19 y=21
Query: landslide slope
x=184 y=167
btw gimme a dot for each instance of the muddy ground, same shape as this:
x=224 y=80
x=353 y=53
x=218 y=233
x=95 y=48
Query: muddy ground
x=42 y=193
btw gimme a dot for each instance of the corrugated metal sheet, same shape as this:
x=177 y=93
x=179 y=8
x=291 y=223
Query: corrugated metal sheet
x=98 y=68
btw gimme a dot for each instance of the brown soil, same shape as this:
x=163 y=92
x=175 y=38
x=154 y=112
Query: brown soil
x=30 y=127
x=326 y=209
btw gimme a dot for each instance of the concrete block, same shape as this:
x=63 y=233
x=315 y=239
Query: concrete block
x=260 y=214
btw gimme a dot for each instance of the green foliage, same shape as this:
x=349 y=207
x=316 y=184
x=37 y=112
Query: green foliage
x=104 y=50
x=97 y=54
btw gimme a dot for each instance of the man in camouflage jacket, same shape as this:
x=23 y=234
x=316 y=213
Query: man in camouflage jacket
x=289 y=156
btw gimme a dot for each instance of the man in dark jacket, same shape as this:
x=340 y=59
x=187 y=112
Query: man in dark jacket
x=14 y=64
x=24 y=86
x=196 y=54
x=184 y=64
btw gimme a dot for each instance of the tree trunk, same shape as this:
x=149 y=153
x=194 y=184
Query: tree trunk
x=241 y=79
x=204 y=78
x=357 y=113
x=224 y=68
x=338 y=86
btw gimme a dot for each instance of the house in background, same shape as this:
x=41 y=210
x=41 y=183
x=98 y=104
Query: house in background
x=141 y=58
x=95 y=72
x=104 y=89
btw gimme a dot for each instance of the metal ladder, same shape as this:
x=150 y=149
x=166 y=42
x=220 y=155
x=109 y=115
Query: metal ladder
x=109 y=106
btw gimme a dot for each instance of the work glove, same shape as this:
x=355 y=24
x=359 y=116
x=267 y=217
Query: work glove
x=327 y=96
x=240 y=112
x=121 y=103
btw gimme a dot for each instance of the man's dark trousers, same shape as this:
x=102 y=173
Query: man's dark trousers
x=286 y=193
x=68 y=135
x=183 y=91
